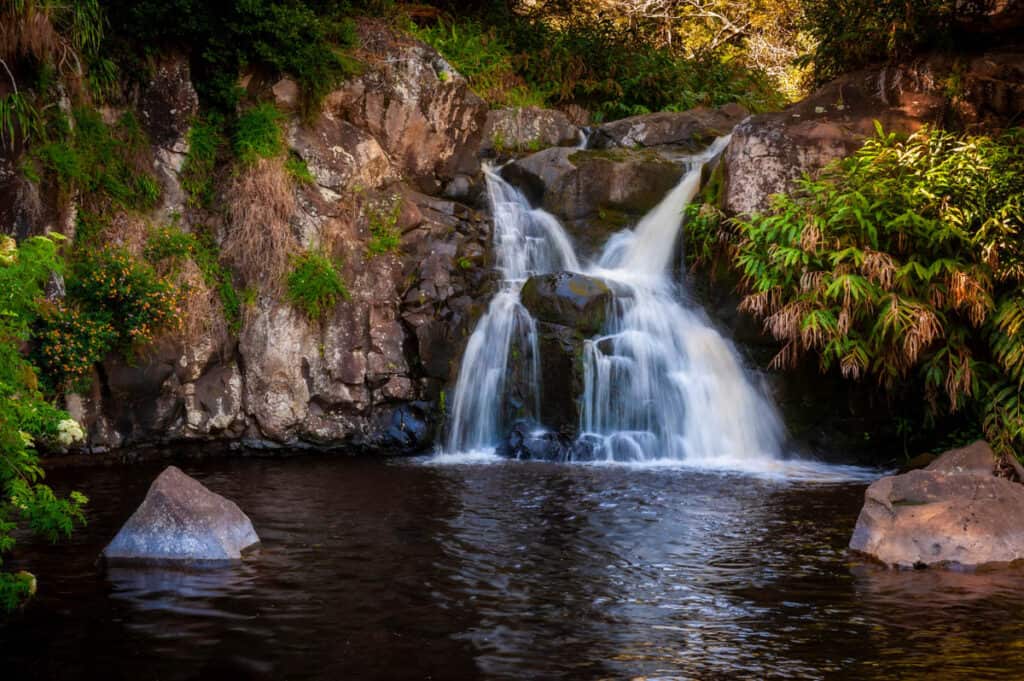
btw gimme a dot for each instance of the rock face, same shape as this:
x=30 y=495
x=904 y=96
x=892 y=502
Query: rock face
x=954 y=512
x=182 y=522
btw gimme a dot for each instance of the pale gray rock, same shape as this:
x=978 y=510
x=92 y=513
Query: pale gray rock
x=182 y=522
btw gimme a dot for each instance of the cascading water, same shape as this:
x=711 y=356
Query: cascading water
x=527 y=241
x=660 y=383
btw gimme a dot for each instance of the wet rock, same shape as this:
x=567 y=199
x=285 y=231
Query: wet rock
x=181 y=521
x=561 y=367
x=410 y=429
x=577 y=301
x=690 y=130
x=527 y=129
x=955 y=512
x=527 y=441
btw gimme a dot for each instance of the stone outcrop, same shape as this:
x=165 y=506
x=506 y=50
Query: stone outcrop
x=768 y=152
x=182 y=522
x=954 y=512
x=686 y=130
x=527 y=129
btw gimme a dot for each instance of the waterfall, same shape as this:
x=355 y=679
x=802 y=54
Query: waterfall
x=660 y=383
x=527 y=241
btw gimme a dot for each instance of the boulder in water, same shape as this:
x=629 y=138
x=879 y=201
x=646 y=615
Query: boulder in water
x=569 y=299
x=954 y=512
x=182 y=522
x=527 y=441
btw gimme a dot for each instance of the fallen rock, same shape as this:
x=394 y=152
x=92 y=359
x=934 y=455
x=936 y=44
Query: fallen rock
x=569 y=299
x=181 y=521
x=955 y=512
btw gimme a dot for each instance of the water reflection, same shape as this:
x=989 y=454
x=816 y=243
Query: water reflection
x=510 y=571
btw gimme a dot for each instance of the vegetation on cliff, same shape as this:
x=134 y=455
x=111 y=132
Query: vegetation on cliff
x=901 y=265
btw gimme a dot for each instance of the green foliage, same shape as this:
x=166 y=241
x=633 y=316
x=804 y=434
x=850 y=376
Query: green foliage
x=70 y=342
x=20 y=120
x=102 y=161
x=198 y=176
x=385 y=237
x=112 y=286
x=850 y=34
x=298 y=170
x=258 y=134
x=26 y=418
x=171 y=243
x=592 y=62
x=305 y=39
x=315 y=284
x=903 y=264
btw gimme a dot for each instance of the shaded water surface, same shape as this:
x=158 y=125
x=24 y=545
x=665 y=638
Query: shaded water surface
x=374 y=570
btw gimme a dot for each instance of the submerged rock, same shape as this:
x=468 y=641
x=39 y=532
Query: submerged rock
x=954 y=512
x=569 y=299
x=181 y=521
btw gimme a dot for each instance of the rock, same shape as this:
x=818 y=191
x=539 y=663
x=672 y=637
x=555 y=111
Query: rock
x=561 y=370
x=169 y=102
x=527 y=441
x=954 y=512
x=977 y=458
x=769 y=152
x=527 y=129
x=577 y=301
x=690 y=130
x=341 y=156
x=181 y=521
x=594 y=193
x=430 y=124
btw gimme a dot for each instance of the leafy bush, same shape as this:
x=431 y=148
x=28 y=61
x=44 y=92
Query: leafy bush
x=315 y=284
x=102 y=162
x=385 y=236
x=70 y=343
x=299 y=171
x=26 y=418
x=258 y=134
x=306 y=39
x=112 y=286
x=591 y=62
x=902 y=264
x=198 y=177
x=171 y=243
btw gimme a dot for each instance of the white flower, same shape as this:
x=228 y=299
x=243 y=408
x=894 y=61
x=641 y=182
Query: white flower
x=69 y=432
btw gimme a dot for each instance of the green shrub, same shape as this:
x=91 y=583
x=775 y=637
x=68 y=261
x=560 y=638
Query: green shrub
x=26 y=418
x=385 y=237
x=258 y=134
x=70 y=343
x=315 y=284
x=105 y=163
x=171 y=243
x=198 y=175
x=902 y=264
x=111 y=286
x=298 y=170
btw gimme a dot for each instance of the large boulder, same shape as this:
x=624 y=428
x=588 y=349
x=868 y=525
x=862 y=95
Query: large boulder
x=527 y=129
x=954 y=512
x=569 y=299
x=181 y=521
x=690 y=130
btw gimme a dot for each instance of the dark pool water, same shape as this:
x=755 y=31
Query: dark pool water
x=373 y=570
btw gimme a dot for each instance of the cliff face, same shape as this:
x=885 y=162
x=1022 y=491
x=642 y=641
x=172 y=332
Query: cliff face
x=398 y=143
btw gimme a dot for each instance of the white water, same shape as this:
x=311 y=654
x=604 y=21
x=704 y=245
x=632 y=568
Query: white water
x=527 y=241
x=661 y=386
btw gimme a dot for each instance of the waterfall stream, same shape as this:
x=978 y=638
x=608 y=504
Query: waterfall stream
x=660 y=383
